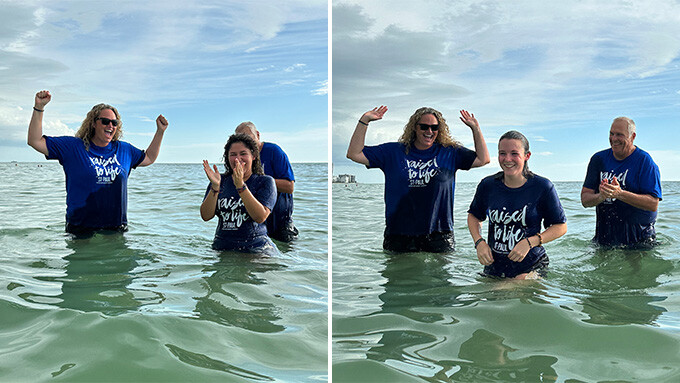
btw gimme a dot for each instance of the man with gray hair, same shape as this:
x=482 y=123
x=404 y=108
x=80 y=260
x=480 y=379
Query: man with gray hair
x=624 y=184
x=275 y=163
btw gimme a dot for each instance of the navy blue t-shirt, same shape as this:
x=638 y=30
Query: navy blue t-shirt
x=275 y=163
x=618 y=223
x=515 y=214
x=236 y=230
x=96 y=179
x=419 y=186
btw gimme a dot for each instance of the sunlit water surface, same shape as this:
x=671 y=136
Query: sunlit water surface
x=156 y=303
x=598 y=316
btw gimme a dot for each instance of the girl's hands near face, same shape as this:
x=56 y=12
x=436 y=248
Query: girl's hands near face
x=213 y=175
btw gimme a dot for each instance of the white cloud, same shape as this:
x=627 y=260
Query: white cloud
x=56 y=128
x=138 y=56
x=538 y=67
x=294 y=67
x=322 y=90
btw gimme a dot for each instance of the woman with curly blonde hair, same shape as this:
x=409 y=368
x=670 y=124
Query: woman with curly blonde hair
x=96 y=164
x=443 y=137
x=420 y=174
x=87 y=131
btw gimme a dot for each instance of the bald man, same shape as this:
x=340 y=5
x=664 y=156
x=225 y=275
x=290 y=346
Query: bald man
x=624 y=184
x=275 y=163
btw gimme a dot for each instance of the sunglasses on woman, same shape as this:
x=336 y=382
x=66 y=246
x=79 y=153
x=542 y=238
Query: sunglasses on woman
x=105 y=121
x=426 y=127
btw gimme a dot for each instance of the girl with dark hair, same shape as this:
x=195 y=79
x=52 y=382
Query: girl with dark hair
x=420 y=171
x=242 y=198
x=97 y=165
x=516 y=201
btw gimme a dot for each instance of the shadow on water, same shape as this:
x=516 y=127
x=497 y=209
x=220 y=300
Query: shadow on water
x=418 y=287
x=98 y=274
x=616 y=287
x=484 y=358
x=232 y=297
x=416 y=282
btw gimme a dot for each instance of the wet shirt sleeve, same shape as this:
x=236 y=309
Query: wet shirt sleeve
x=592 y=180
x=265 y=191
x=551 y=207
x=465 y=158
x=58 y=147
x=479 y=204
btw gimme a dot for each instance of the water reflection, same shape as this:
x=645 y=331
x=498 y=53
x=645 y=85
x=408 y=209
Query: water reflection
x=233 y=297
x=98 y=275
x=416 y=283
x=486 y=360
x=417 y=287
x=617 y=287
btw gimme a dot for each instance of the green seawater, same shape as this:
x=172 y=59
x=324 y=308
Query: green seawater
x=598 y=315
x=156 y=304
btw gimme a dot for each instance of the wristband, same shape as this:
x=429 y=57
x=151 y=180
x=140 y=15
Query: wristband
x=478 y=241
x=241 y=190
x=529 y=242
x=540 y=239
x=38 y=110
x=364 y=123
x=214 y=191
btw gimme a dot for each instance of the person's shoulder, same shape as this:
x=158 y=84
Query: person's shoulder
x=388 y=146
x=603 y=153
x=125 y=145
x=642 y=153
x=263 y=178
x=391 y=145
x=272 y=146
x=542 y=181
x=496 y=178
x=67 y=139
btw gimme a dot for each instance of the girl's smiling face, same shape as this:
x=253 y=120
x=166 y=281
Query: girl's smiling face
x=511 y=157
x=240 y=152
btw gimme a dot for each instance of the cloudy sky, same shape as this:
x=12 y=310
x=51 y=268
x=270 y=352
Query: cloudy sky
x=559 y=72
x=205 y=65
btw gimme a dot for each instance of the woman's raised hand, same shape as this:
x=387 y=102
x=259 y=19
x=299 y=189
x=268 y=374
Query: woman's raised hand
x=469 y=119
x=161 y=123
x=213 y=174
x=42 y=98
x=374 y=114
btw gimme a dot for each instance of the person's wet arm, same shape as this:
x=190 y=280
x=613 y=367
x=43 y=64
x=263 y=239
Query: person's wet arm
x=481 y=149
x=284 y=186
x=357 y=142
x=155 y=146
x=590 y=198
x=483 y=250
x=35 y=134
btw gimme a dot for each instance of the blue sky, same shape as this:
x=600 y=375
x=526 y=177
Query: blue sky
x=559 y=72
x=205 y=65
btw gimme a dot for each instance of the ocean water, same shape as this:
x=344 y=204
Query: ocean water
x=598 y=315
x=156 y=303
